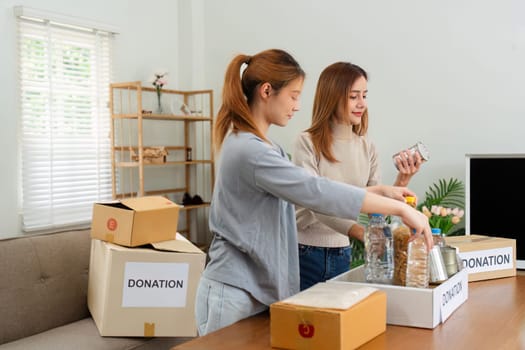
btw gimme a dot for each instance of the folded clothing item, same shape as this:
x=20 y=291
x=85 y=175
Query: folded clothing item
x=331 y=295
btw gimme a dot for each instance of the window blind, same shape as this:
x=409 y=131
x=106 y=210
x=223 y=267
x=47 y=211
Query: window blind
x=64 y=73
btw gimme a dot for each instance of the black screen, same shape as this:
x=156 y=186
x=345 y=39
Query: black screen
x=496 y=188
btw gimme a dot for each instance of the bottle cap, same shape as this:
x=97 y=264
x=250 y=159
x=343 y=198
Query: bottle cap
x=376 y=214
x=410 y=200
x=436 y=231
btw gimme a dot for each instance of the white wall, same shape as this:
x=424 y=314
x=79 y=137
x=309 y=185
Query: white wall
x=449 y=73
x=148 y=41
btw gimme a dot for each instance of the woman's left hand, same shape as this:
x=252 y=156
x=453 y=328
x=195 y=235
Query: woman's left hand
x=407 y=164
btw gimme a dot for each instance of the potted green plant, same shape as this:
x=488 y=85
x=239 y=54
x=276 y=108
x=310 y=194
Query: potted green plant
x=443 y=205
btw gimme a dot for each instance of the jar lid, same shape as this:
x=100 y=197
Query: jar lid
x=436 y=231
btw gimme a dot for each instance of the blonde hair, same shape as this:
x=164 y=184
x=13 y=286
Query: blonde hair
x=276 y=67
x=332 y=89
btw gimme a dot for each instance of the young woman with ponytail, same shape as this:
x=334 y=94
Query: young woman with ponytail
x=253 y=256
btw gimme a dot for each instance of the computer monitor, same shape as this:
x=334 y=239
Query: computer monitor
x=495 y=198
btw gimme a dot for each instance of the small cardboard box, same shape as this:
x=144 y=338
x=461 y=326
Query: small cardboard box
x=485 y=257
x=146 y=292
x=135 y=221
x=301 y=327
x=416 y=307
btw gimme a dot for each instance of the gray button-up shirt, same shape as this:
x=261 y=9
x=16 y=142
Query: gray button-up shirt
x=252 y=216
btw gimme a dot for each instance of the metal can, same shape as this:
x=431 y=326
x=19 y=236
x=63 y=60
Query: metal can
x=419 y=147
x=450 y=259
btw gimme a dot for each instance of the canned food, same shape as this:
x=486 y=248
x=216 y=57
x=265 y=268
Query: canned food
x=450 y=259
x=419 y=147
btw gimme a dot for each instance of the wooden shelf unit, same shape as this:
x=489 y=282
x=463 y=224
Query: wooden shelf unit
x=186 y=123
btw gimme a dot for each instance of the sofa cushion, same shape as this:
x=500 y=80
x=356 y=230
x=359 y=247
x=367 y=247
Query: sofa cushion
x=83 y=335
x=43 y=282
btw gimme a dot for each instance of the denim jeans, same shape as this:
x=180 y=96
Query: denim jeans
x=318 y=264
x=219 y=305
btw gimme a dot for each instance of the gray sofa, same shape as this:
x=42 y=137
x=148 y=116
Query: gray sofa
x=43 y=297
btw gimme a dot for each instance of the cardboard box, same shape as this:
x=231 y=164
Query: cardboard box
x=416 y=307
x=146 y=292
x=136 y=221
x=301 y=327
x=485 y=257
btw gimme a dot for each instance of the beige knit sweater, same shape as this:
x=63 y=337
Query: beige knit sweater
x=358 y=165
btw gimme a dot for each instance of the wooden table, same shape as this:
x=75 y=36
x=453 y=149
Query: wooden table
x=493 y=317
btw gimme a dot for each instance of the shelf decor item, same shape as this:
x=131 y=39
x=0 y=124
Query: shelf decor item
x=158 y=82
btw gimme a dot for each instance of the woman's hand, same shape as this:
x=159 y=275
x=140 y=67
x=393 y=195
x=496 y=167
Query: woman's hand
x=394 y=192
x=407 y=164
x=357 y=231
x=414 y=219
x=418 y=223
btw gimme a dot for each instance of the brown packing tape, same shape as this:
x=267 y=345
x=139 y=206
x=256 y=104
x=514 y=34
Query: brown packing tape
x=110 y=237
x=149 y=329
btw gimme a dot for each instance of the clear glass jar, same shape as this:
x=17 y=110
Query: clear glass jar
x=419 y=147
x=379 y=263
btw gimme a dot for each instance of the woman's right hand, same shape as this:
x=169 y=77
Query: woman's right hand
x=418 y=223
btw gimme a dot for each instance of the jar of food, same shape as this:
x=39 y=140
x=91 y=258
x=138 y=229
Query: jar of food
x=419 y=147
x=410 y=256
x=401 y=234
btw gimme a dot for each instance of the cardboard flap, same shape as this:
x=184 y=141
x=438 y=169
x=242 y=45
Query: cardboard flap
x=179 y=244
x=148 y=203
x=469 y=239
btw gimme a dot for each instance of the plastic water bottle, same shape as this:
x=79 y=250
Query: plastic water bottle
x=379 y=263
x=437 y=237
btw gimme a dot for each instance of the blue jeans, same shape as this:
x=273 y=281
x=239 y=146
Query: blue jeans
x=318 y=264
x=219 y=305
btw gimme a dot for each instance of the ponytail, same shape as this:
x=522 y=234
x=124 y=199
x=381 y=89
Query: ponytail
x=275 y=67
x=234 y=113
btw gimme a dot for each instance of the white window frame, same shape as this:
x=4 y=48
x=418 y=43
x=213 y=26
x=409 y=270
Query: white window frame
x=65 y=158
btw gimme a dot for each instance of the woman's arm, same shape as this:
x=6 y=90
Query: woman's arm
x=414 y=219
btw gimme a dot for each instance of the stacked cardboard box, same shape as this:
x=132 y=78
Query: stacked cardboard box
x=485 y=257
x=143 y=275
x=329 y=327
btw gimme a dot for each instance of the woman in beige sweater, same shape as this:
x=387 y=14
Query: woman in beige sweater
x=336 y=146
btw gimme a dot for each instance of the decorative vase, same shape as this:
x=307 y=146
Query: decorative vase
x=159 y=103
